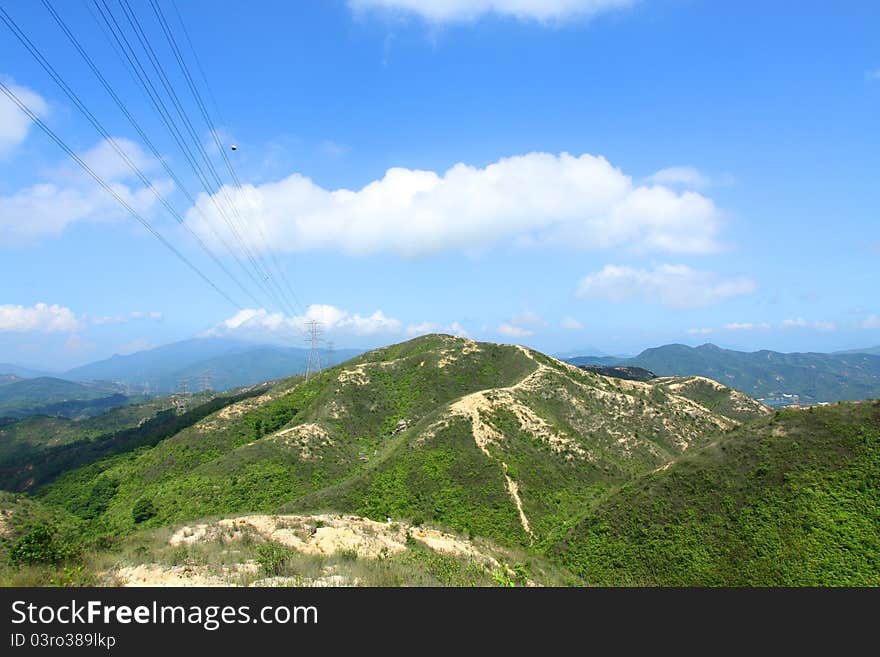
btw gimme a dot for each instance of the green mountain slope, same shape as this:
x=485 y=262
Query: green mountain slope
x=488 y=439
x=806 y=378
x=793 y=499
x=51 y=396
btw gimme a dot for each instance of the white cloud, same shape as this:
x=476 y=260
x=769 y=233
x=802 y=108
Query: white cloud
x=582 y=202
x=109 y=165
x=873 y=75
x=871 y=322
x=700 y=331
x=443 y=11
x=48 y=208
x=134 y=315
x=686 y=176
x=529 y=319
x=15 y=124
x=432 y=327
x=522 y=325
x=800 y=322
x=514 y=331
x=571 y=324
x=39 y=318
x=457 y=329
x=423 y=329
x=747 y=326
x=676 y=286
x=255 y=323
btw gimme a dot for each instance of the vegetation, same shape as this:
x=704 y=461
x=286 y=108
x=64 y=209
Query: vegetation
x=29 y=469
x=50 y=396
x=812 y=377
x=561 y=475
x=792 y=500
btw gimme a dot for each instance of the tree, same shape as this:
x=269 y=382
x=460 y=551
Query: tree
x=142 y=510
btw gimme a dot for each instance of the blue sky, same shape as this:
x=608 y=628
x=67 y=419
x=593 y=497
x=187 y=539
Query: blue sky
x=576 y=175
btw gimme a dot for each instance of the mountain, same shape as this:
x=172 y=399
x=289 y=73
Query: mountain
x=620 y=372
x=9 y=378
x=776 y=378
x=446 y=461
x=875 y=351
x=51 y=396
x=788 y=500
x=495 y=440
x=21 y=372
x=153 y=364
x=205 y=362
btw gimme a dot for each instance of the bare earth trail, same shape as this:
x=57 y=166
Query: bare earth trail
x=473 y=405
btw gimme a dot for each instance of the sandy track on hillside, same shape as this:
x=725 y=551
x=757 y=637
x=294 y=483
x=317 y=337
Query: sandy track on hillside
x=329 y=534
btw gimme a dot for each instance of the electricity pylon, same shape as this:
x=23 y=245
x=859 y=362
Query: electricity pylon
x=314 y=336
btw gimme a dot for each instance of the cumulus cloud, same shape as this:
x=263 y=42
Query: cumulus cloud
x=686 y=176
x=700 y=331
x=873 y=75
x=259 y=322
x=448 y=11
x=571 y=324
x=40 y=318
x=107 y=163
x=432 y=327
x=871 y=322
x=15 y=124
x=676 y=286
x=514 y=331
x=522 y=325
x=48 y=208
x=577 y=201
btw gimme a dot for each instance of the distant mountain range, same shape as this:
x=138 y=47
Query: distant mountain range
x=777 y=378
x=875 y=351
x=47 y=395
x=217 y=363
x=450 y=462
x=197 y=364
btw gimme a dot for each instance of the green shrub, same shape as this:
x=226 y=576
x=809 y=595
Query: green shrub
x=39 y=544
x=272 y=558
x=142 y=510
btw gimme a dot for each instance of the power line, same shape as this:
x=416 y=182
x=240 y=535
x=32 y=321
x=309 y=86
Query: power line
x=169 y=35
x=165 y=81
x=95 y=122
x=135 y=65
x=175 y=178
x=146 y=224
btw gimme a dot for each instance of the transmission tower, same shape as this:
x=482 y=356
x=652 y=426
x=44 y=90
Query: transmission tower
x=330 y=360
x=207 y=380
x=314 y=336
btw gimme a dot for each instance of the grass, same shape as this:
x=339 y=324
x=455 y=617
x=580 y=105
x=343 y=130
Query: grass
x=792 y=500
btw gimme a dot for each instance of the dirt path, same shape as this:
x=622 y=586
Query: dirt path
x=472 y=406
